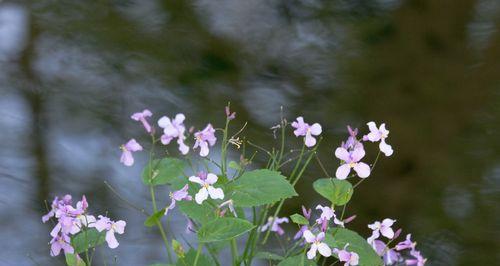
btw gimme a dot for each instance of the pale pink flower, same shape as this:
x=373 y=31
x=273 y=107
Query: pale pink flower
x=141 y=116
x=351 y=160
x=306 y=130
x=127 y=149
x=316 y=245
x=379 y=134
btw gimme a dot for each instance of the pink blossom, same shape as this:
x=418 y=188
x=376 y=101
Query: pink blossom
x=379 y=134
x=351 y=159
x=417 y=259
x=127 y=149
x=273 y=224
x=383 y=228
x=59 y=242
x=174 y=129
x=206 y=188
x=407 y=244
x=349 y=258
x=181 y=194
x=327 y=213
x=316 y=245
x=205 y=138
x=141 y=116
x=104 y=223
x=304 y=129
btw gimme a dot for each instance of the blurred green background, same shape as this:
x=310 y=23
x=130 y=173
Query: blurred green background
x=72 y=72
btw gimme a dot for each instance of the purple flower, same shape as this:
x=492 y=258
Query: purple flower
x=104 y=223
x=316 y=245
x=350 y=258
x=379 y=134
x=56 y=204
x=306 y=212
x=389 y=256
x=230 y=115
x=407 y=244
x=351 y=159
x=326 y=214
x=304 y=129
x=300 y=232
x=181 y=194
x=274 y=225
x=418 y=259
x=352 y=141
x=205 y=138
x=383 y=228
x=206 y=188
x=60 y=242
x=127 y=149
x=174 y=129
x=141 y=116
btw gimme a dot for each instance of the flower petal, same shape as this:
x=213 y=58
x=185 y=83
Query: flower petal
x=197 y=180
x=385 y=148
x=211 y=179
x=324 y=250
x=201 y=196
x=312 y=252
x=111 y=239
x=315 y=129
x=309 y=236
x=342 y=154
x=362 y=169
x=215 y=193
x=343 y=171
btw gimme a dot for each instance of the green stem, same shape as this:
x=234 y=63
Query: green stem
x=234 y=251
x=198 y=252
x=159 y=224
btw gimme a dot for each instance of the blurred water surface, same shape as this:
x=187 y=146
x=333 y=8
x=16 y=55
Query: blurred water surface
x=72 y=72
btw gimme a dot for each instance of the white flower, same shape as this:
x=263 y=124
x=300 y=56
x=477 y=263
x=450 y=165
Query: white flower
x=207 y=188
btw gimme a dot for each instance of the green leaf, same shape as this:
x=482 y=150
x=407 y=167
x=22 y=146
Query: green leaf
x=299 y=219
x=299 y=260
x=73 y=260
x=268 y=256
x=201 y=213
x=339 y=192
x=260 y=187
x=223 y=229
x=153 y=219
x=163 y=171
x=339 y=237
x=203 y=260
x=93 y=238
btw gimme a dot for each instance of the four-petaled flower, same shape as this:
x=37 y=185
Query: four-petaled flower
x=127 y=149
x=383 y=228
x=304 y=129
x=326 y=214
x=407 y=244
x=389 y=255
x=174 y=129
x=316 y=245
x=206 y=182
x=379 y=134
x=181 y=194
x=273 y=224
x=59 y=242
x=350 y=258
x=205 y=138
x=104 y=223
x=141 y=116
x=351 y=159
x=417 y=259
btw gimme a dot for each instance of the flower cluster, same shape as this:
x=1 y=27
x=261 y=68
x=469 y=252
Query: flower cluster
x=392 y=256
x=352 y=151
x=73 y=220
x=173 y=129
